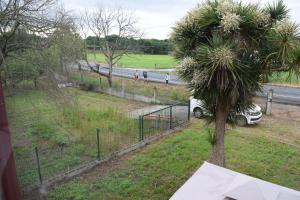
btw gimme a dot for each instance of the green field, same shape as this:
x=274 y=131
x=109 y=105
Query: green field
x=143 y=61
x=157 y=171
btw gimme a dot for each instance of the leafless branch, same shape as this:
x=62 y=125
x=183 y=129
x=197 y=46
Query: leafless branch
x=113 y=27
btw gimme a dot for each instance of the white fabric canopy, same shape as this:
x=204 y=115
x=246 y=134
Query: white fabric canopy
x=211 y=182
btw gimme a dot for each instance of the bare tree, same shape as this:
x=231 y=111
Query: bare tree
x=113 y=27
x=82 y=27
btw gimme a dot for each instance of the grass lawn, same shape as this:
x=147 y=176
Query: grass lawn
x=62 y=124
x=143 y=61
x=158 y=170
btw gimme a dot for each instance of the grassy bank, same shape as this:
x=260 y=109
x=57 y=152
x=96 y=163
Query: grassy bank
x=164 y=92
x=143 y=61
x=159 y=170
x=284 y=78
x=62 y=124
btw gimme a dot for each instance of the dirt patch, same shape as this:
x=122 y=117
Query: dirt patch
x=282 y=111
x=283 y=130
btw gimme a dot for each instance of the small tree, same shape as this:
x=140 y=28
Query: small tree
x=226 y=48
x=20 y=20
x=28 y=29
x=113 y=27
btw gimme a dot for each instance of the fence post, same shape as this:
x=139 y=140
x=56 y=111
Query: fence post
x=154 y=94
x=269 y=102
x=171 y=117
x=189 y=110
x=38 y=164
x=123 y=88
x=98 y=144
x=142 y=128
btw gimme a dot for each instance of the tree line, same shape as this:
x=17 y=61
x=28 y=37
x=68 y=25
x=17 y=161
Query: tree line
x=145 y=46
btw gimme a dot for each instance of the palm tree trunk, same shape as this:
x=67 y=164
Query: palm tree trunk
x=218 y=153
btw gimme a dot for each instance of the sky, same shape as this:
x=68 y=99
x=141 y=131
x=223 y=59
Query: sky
x=156 y=17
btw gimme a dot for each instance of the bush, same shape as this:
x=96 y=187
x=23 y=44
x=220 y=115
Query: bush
x=61 y=139
x=174 y=95
x=43 y=129
x=87 y=86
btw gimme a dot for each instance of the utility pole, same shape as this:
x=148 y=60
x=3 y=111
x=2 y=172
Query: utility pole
x=10 y=187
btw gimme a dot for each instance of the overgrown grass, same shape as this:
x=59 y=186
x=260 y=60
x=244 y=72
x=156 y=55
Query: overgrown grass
x=62 y=124
x=143 y=61
x=159 y=170
x=164 y=92
x=284 y=78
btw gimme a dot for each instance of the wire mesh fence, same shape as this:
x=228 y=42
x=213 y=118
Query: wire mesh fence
x=164 y=119
x=43 y=163
x=46 y=162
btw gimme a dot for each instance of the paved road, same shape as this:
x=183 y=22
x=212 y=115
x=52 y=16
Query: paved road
x=152 y=76
x=281 y=94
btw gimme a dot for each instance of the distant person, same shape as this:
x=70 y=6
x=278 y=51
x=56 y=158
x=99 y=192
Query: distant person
x=145 y=75
x=167 y=78
x=136 y=75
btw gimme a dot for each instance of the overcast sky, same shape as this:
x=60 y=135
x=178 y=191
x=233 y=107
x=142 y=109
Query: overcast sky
x=156 y=17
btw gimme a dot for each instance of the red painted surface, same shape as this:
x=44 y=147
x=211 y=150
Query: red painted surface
x=7 y=163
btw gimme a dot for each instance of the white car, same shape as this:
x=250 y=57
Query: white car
x=251 y=116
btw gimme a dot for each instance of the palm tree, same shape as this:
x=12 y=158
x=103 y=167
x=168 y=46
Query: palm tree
x=227 y=49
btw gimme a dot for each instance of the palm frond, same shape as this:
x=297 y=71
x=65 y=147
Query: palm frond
x=277 y=10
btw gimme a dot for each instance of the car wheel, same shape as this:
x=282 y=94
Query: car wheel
x=241 y=120
x=198 y=113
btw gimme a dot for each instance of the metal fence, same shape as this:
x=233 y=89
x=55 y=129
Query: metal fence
x=164 y=119
x=45 y=163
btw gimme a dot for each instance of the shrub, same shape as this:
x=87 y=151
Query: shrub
x=42 y=129
x=87 y=86
x=61 y=139
x=210 y=135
